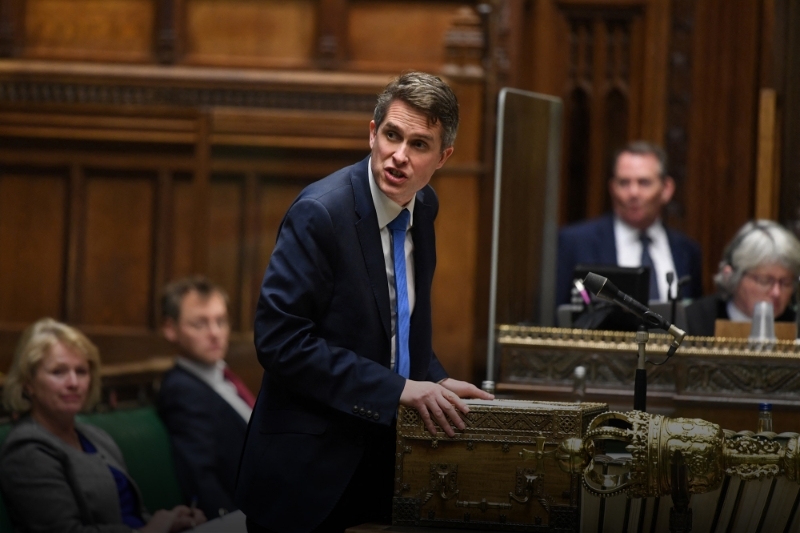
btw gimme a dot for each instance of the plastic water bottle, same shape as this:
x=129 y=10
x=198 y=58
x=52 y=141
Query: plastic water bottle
x=764 y=417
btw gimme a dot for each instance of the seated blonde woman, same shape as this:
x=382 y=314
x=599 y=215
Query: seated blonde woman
x=760 y=264
x=57 y=474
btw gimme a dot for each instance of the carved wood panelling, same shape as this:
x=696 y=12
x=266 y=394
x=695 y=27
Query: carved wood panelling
x=601 y=107
x=723 y=125
x=31 y=271
x=99 y=30
x=410 y=38
x=159 y=172
x=115 y=277
x=679 y=100
x=269 y=33
x=787 y=59
x=720 y=379
x=42 y=92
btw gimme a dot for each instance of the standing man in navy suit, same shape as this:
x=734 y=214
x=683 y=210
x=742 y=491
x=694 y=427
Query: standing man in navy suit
x=333 y=331
x=203 y=404
x=640 y=188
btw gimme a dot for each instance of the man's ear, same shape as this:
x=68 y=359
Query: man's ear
x=669 y=190
x=170 y=330
x=445 y=156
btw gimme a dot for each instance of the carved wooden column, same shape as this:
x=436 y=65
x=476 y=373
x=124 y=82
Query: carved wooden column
x=602 y=101
x=787 y=55
x=679 y=99
x=332 y=36
x=458 y=186
x=11 y=16
x=166 y=30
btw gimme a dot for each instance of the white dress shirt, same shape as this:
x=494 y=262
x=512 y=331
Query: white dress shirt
x=629 y=251
x=735 y=314
x=387 y=210
x=213 y=376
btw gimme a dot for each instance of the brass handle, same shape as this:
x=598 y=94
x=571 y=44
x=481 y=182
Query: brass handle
x=483 y=505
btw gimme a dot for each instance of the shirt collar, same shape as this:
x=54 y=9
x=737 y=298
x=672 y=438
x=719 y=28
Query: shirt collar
x=654 y=231
x=735 y=314
x=386 y=208
x=208 y=373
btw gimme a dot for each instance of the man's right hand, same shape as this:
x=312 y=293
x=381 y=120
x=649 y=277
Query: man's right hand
x=434 y=404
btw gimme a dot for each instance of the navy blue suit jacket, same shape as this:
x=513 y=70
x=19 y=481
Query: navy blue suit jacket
x=593 y=242
x=322 y=334
x=207 y=437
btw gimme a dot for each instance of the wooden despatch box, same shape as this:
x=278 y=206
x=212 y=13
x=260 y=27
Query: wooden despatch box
x=499 y=474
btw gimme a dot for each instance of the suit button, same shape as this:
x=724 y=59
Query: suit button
x=355 y=409
x=369 y=414
x=376 y=416
x=361 y=411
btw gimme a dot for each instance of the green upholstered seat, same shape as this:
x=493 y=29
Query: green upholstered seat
x=5 y=522
x=144 y=442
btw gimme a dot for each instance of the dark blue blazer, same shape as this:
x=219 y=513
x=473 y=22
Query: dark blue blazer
x=207 y=437
x=593 y=242
x=322 y=334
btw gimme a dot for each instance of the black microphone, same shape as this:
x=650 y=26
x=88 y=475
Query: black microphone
x=605 y=290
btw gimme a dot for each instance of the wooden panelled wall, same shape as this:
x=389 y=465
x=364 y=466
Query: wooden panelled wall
x=142 y=141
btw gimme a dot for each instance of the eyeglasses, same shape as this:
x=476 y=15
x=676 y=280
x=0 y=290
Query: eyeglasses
x=767 y=282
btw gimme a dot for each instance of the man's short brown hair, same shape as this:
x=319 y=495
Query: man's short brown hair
x=175 y=291
x=642 y=148
x=427 y=93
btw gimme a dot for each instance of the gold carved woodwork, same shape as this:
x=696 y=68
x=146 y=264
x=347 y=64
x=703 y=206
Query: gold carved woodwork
x=538 y=359
x=655 y=442
x=501 y=472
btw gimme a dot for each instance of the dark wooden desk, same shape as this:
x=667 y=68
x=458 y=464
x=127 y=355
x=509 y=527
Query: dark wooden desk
x=374 y=528
x=721 y=380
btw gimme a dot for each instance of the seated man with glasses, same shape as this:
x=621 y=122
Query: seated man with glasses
x=761 y=263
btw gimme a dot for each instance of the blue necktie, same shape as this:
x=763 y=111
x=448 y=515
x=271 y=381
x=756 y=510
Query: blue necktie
x=398 y=228
x=647 y=261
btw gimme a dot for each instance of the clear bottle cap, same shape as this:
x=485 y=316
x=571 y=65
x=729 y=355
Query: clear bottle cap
x=765 y=406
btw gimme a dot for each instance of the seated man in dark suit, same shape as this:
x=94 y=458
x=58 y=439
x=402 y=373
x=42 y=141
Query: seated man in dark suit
x=204 y=406
x=633 y=235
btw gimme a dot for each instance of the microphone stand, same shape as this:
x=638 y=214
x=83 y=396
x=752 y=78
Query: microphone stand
x=605 y=290
x=640 y=383
x=673 y=298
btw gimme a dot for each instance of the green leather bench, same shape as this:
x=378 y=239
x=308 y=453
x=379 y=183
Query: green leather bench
x=144 y=442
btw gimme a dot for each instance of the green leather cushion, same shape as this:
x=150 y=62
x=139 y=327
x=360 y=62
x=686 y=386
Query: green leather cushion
x=5 y=522
x=144 y=442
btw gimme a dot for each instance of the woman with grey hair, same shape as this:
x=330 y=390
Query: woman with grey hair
x=761 y=263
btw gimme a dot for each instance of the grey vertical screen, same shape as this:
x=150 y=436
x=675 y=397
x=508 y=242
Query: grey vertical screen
x=525 y=215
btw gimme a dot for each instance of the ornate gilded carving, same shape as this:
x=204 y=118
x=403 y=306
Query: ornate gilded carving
x=15 y=91
x=507 y=422
x=703 y=367
x=752 y=457
x=507 y=480
x=444 y=480
x=464 y=44
x=655 y=442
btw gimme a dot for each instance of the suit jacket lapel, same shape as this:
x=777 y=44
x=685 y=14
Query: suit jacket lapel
x=607 y=240
x=424 y=248
x=369 y=238
x=679 y=257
